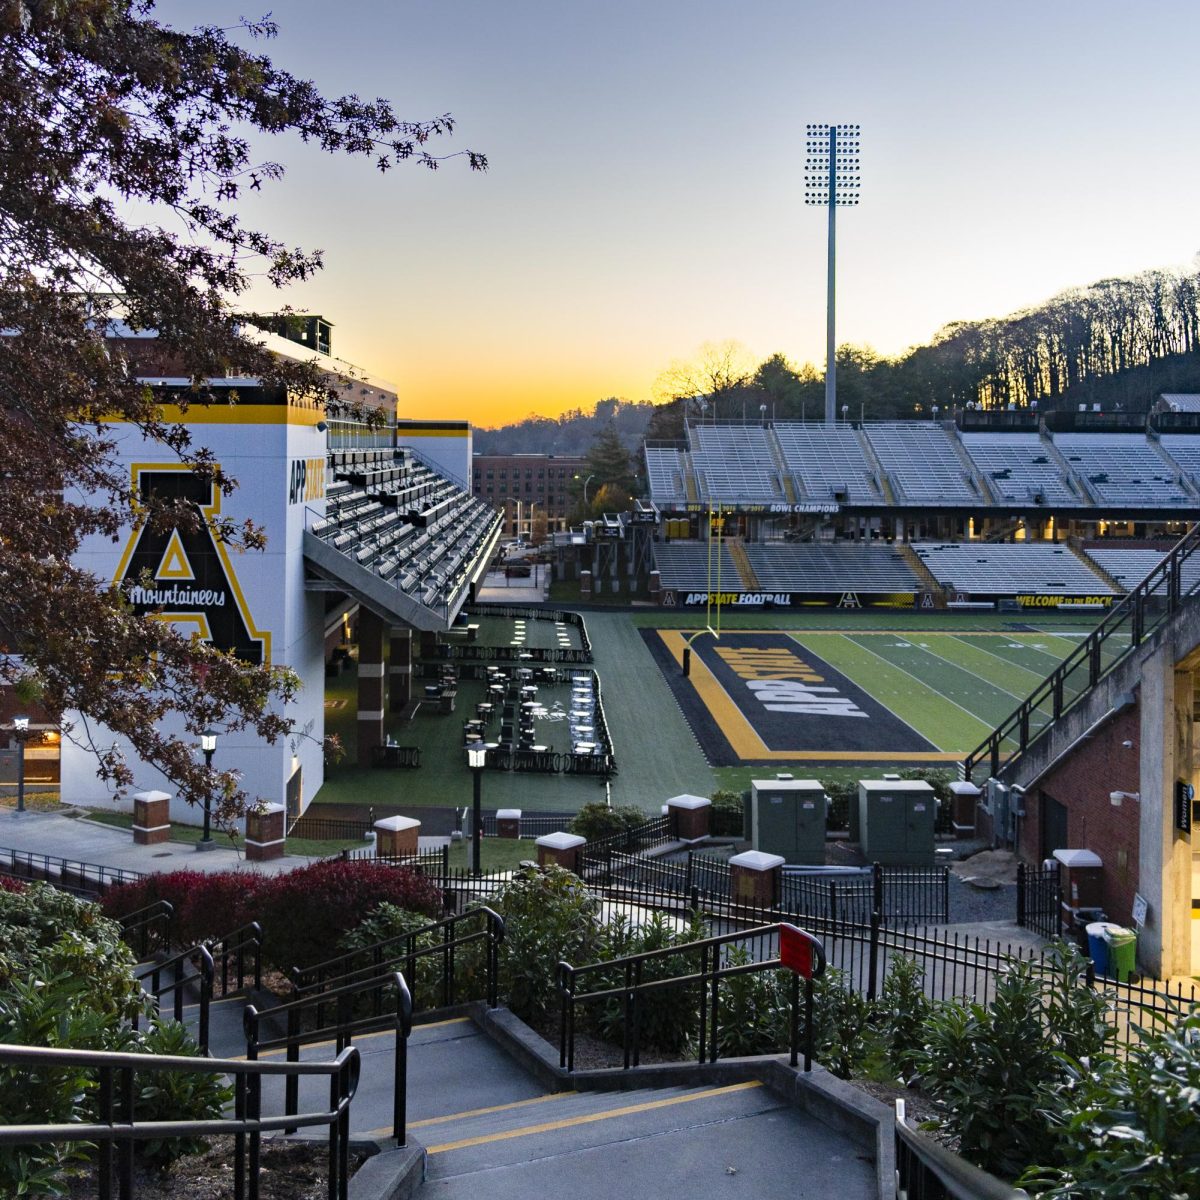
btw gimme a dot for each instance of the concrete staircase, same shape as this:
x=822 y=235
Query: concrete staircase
x=737 y=552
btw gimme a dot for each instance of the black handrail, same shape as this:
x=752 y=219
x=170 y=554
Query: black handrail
x=234 y=946
x=176 y=967
x=79 y=878
x=709 y=976
x=161 y=912
x=341 y=1032
x=403 y=950
x=1050 y=697
x=117 y=1124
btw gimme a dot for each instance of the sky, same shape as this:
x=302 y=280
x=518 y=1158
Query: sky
x=646 y=186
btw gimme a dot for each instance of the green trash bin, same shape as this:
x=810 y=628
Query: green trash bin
x=1122 y=952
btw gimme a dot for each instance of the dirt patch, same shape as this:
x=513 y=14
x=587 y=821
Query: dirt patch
x=289 y=1171
x=988 y=866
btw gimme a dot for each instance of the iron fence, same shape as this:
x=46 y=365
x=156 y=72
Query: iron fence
x=79 y=878
x=1039 y=900
x=331 y=829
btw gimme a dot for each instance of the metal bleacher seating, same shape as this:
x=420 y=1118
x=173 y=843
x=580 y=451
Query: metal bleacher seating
x=922 y=462
x=1123 y=469
x=1008 y=568
x=664 y=471
x=1184 y=449
x=830 y=464
x=734 y=462
x=686 y=567
x=817 y=567
x=1020 y=467
x=1130 y=565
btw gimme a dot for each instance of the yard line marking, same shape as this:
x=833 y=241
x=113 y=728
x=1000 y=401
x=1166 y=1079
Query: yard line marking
x=608 y=1114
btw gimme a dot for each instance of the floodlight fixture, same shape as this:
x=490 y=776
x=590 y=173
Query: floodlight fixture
x=832 y=179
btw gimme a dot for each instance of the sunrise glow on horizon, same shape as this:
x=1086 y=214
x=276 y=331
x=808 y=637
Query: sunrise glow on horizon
x=645 y=195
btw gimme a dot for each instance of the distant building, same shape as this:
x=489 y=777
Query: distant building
x=522 y=485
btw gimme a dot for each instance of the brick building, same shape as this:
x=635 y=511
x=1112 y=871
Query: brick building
x=523 y=485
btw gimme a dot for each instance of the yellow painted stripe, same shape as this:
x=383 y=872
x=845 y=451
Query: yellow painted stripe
x=608 y=1114
x=234 y=414
x=476 y=1112
x=741 y=735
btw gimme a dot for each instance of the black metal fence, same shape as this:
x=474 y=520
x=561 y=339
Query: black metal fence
x=79 y=878
x=331 y=829
x=1039 y=900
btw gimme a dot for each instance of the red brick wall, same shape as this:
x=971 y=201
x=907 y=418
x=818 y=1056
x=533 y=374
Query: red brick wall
x=1082 y=784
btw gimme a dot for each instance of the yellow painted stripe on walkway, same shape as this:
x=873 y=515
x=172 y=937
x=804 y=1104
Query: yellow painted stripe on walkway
x=476 y=1112
x=608 y=1114
x=362 y=1037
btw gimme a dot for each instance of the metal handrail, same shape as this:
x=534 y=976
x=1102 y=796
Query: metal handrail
x=177 y=966
x=94 y=874
x=708 y=976
x=234 y=945
x=342 y=1032
x=1132 y=609
x=118 y=1125
x=325 y=975
x=143 y=919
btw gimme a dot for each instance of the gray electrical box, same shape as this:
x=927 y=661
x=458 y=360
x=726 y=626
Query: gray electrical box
x=787 y=817
x=895 y=821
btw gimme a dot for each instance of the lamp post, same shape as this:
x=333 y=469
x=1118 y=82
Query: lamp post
x=831 y=178
x=208 y=743
x=21 y=736
x=585 y=488
x=476 y=757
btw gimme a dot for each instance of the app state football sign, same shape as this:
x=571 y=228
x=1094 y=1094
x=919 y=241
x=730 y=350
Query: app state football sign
x=186 y=576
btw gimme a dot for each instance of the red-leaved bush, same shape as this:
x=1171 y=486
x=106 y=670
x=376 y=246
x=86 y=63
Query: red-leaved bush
x=305 y=913
x=8 y=884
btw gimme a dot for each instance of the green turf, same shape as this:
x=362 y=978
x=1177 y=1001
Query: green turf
x=495 y=854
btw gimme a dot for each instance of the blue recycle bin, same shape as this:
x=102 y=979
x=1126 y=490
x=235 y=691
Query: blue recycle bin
x=1097 y=941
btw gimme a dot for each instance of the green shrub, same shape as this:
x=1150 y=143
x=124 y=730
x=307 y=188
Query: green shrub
x=727 y=817
x=594 y=821
x=900 y=1015
x=176 y=1095
x=754 y=1010
x=549 y=917
x=843 y=1038
x=1130 y=1129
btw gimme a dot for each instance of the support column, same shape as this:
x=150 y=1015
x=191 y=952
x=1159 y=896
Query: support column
x=370 y=685
x=400 y=669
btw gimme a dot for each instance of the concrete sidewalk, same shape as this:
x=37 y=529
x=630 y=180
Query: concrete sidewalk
x=80 y=840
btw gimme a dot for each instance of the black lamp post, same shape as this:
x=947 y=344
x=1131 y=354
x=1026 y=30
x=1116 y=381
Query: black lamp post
x=476 y=757
x=21 y=736
x=208 y=743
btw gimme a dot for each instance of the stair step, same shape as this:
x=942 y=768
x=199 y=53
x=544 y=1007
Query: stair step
x=621 y=1119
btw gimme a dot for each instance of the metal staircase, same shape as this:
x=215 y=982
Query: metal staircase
x=1146 y=608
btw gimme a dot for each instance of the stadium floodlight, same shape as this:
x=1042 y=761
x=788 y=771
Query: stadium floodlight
x=831 y=178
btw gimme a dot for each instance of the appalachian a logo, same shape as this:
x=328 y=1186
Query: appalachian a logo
x=185 y=576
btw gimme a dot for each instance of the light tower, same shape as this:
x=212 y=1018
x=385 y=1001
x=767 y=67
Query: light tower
x=831 y=178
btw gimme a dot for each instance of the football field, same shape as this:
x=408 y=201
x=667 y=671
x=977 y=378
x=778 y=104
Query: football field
x=879 y=688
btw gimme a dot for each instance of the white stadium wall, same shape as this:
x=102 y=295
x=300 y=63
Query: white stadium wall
x=253 y=600
x=445 y=445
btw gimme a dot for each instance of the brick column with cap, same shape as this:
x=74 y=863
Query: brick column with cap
x=396 y=837
x=151 y=818
x=964 y=803
x=689 y=817
x=370 y=686
x=560 y=850
x=754 y=878
x=265 y=833
x=508 y=823
x=400 y=669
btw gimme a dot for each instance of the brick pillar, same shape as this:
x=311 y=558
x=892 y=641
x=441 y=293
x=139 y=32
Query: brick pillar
x=964 y=801
x=689 y=817
x=265 y=832
x=151 y=818
x=508 y=823
x=396 y=837
x=400 y=669
x=370 y=685
x=560 y=850
x=754 y=878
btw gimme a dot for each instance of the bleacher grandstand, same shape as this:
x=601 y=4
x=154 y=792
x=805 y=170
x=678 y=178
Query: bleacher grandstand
x=1129 y=566
x=1124 y=469
x=1020 y=467
x=689 y=567
x=923 y=463
x=821 y=567
x=734 y=462
x=664 y=471
x=1184 y=449
x=392 y=520
x=1010 y=569
x=829 y=463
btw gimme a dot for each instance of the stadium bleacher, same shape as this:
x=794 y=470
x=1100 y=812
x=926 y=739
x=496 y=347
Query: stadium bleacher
x=1007 y=569
x=664 y=471
x=689 y=567
x=1124 y=470
x=829 y=463
x=1130 y=565
x=1020 y=467
x=923 y=463
x=817 y=567
x=734 y=462
x=1184 y=449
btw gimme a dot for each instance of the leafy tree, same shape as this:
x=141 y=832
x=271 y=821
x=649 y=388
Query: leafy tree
x=102 y=107
x=607 y=475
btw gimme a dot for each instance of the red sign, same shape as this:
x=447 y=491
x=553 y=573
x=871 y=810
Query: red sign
x=796 y=950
